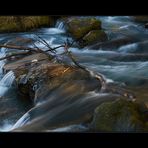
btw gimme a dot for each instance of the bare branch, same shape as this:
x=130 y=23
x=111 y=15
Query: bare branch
x=55 y=48
x=15 y=54
x=93 y=74
x=45 y=43
x=37 y=50
x=18 y=47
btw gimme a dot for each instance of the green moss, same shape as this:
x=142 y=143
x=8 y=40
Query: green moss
x=79 y=27
x=94 y=36
x=8 y=26
x=23 y=23
x=36 y=21
x=120 y=116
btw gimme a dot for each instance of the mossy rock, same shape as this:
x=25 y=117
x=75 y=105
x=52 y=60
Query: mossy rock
x=93 y=37
x=78 y=27
x=23 y=23
x=119 y=116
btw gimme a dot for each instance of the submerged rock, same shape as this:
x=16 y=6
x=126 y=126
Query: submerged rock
x=119 y=116
x=141 y=18
x=113 y=44
x=93 y=37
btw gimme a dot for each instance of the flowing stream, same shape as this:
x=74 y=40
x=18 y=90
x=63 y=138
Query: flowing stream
x=118 y=64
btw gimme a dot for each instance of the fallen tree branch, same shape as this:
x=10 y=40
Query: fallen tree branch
x=55 y=48
x=92 y=73
x=105 y=87
x=15 y=54
x=36 y=49
x=41 y=40
x=18 y=47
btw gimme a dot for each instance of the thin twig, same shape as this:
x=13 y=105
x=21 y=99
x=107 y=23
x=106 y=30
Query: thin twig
x=45 y=43
x=55 y=48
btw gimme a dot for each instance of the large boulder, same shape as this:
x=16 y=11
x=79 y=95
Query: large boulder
x=36 y=72
x=79 y=27
x=119 y=116
x=86 y=30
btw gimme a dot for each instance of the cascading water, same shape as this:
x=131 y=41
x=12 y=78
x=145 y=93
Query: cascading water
x=21 y=121
x=60 y=25
x=8 y=79
x=1 y=64
x=6 y=82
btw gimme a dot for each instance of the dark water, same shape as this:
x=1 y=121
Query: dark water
x=126 y=65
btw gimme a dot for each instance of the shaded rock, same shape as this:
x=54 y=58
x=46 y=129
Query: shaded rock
x=146 y=25
x=65 y=105
x=129 y=57
x=141 y=18
x=93 y=37
x=12 y=107
x=119 y=116
x=113 y=44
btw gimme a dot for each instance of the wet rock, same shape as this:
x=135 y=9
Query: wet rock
x=24 y=63
x=129 y=57
x=119 y=116
x=61 y=94
x=141 y=18
x=146 y=25
x=32 y=77
x=65 y=105
x=24 y=77
x=93 y=37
